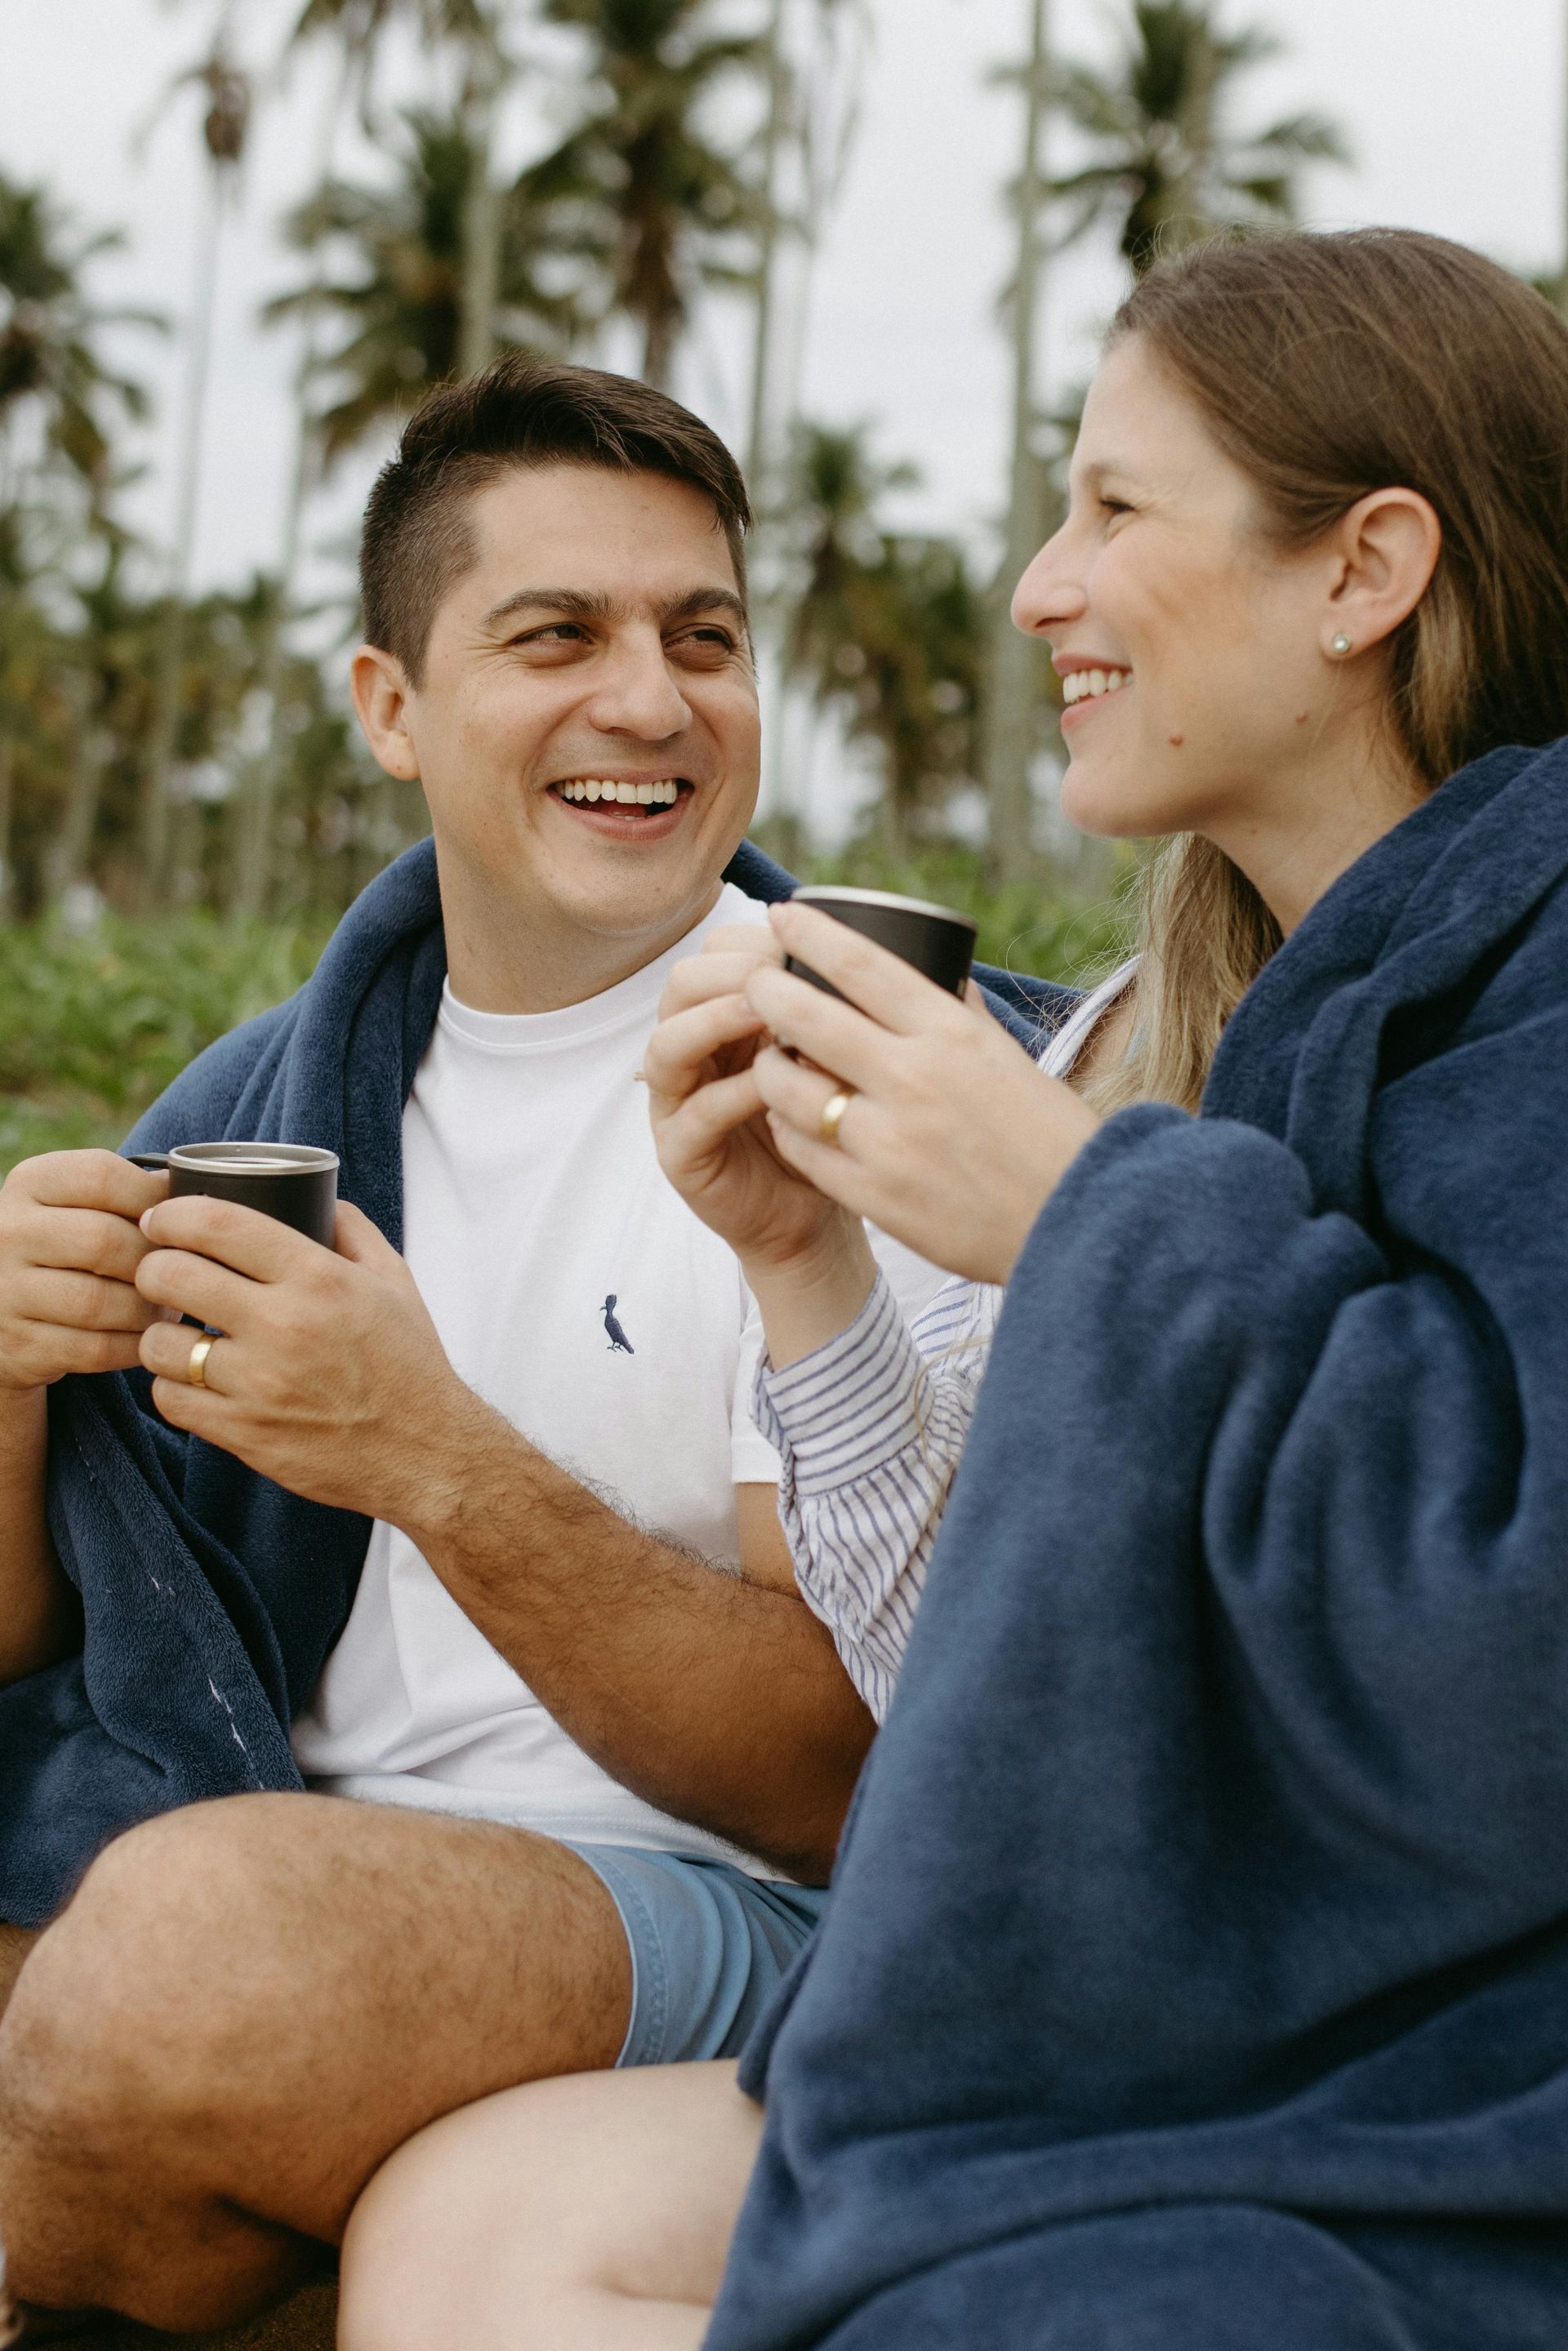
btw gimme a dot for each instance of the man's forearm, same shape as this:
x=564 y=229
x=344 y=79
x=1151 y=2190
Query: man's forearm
x=39 y=1616
x=717 y=1699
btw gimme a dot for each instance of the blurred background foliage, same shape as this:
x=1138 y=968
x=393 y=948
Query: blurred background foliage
x=184 y=805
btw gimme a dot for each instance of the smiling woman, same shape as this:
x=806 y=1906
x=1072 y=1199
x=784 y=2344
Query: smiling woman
x=1371 y=552
x=1196 y=1967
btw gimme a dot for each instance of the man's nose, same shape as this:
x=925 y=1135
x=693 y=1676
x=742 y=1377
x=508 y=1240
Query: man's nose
x=1050 y=594
x=637 y=693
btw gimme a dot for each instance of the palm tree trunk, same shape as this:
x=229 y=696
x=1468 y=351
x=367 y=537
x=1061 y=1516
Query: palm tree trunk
x=159 y=755
x=251 y=860
x=71 y=853
x=1562 y=281
x=659 y=346
x=1013 y=701
x=7 y=779
x=481 y=285
x=759 y=452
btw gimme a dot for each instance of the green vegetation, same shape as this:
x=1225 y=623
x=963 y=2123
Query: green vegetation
x=93 y=1029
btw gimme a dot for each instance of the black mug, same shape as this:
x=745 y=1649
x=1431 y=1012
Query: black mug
x=291 y=1181
x=938 y=942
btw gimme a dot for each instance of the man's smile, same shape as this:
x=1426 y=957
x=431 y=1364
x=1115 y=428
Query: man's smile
x=652 y=807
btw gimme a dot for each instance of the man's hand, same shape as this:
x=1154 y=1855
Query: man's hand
x=331 y=1380
x=69 y=1250
x=330 y=1377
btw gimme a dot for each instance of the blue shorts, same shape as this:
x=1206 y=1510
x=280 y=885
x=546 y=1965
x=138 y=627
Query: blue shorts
x=709 y=1944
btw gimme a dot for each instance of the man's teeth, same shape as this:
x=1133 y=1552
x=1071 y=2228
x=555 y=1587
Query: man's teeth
x=661 y=795
x=1079 y=683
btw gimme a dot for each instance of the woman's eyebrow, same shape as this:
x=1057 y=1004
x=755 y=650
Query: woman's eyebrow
x=1099 y=469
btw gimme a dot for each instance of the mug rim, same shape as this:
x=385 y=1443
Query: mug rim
x=827 y=893
x=236 y=1159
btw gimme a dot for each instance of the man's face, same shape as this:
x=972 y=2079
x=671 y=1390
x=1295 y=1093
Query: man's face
x=586 y=726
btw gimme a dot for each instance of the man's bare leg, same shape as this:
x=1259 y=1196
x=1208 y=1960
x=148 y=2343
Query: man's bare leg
x=248 y=2006
x=594 y=2214
x=15 y=1942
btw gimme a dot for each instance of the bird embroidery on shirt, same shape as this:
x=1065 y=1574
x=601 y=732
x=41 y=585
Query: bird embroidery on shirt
x=618 y=1339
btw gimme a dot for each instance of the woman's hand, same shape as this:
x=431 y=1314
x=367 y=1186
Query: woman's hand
x=953 y=1140
x=710 y=1125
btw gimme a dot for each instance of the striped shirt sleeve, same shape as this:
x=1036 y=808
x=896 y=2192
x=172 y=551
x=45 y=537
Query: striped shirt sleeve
x=870 y=1429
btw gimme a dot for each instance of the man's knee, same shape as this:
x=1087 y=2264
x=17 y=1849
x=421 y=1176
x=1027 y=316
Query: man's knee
x=127 y=2002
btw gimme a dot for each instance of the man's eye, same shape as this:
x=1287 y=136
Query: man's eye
x=705 y=641
x=1115 y=505
x=559 y=632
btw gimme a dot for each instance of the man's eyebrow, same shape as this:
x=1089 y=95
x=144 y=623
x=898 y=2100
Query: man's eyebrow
x=581 y=604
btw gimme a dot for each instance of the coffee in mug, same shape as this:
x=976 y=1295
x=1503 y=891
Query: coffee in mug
x=938 y=941
x=294 y=1182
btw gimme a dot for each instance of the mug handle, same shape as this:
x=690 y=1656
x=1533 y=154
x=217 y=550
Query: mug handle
x=155 y=1162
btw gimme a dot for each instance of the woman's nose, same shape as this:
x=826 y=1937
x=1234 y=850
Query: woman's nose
x=1047 y=596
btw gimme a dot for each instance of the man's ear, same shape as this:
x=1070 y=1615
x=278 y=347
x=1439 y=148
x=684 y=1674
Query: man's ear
x=1386 y=547
x=381 y=694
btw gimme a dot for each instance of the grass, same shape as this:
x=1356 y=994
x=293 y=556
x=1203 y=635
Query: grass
x=93 y=1029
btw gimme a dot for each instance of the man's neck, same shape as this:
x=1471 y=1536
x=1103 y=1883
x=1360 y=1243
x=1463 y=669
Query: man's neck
x=500 y=960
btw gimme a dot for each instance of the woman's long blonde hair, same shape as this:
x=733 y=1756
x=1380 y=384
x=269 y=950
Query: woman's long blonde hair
x=1327 y=366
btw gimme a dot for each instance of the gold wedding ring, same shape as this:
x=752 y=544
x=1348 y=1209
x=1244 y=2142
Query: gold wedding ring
x=196 y=1369
x=832 y=1117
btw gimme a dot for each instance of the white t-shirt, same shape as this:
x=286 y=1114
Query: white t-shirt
x=575 y=1291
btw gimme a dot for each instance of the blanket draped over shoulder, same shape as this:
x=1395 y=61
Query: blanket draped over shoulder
x=1196 y=1972
x=211 y=1596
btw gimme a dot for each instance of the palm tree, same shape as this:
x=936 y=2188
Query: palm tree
x=59 y=402
x=399 y=302
x=637 y=188
x=1169 y=169
x=885 y=630
x=51 y=362
x=225 y=121
x=1015 y=698
x=814 y=86
x=472 y=31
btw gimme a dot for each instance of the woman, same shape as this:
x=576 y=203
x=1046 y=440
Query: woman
x=1197 y=1973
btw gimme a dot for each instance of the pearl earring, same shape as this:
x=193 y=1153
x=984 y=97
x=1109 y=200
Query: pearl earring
x=1341 y=643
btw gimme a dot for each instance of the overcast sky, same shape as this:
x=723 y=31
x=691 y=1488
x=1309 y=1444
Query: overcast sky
x=1455 y=114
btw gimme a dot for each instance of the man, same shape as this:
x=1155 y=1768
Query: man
x=599 y=1777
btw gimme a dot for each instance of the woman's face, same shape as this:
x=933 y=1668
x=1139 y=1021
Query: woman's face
x=1190 y=648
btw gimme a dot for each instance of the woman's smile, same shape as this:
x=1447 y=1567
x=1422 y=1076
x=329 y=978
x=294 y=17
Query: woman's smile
x=1085 y=686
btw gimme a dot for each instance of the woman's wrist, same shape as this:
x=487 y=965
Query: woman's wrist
x=809 y=1298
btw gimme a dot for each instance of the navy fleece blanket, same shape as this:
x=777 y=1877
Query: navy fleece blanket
x=211 y=1596
x=1196 y=1972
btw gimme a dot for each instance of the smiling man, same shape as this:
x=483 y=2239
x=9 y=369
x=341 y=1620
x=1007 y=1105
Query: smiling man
x=465 y=1527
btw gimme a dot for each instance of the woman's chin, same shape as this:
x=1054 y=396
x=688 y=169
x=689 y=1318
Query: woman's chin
x=1096 y=800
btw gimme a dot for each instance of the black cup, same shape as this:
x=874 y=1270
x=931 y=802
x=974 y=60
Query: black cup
x=291 y=1181
x=935 y=939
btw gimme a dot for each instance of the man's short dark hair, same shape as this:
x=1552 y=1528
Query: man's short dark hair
x=418 y=535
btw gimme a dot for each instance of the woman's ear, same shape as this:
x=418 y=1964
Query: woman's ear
x=381 y=694
x=1388 y=547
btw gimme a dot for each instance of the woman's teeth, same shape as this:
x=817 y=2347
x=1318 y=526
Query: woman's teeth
x=1079 y=683
x=661 y=795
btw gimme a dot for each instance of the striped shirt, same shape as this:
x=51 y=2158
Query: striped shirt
x=870 y=1428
